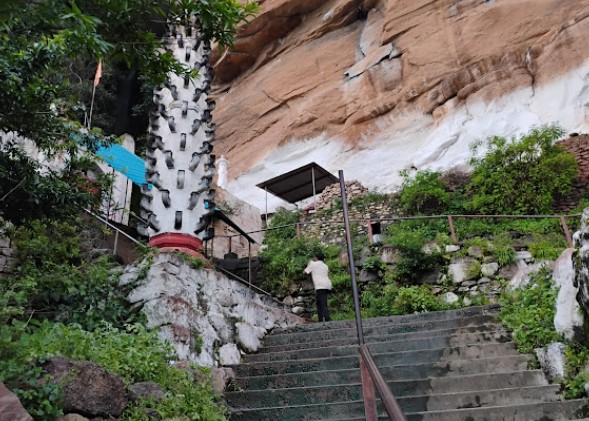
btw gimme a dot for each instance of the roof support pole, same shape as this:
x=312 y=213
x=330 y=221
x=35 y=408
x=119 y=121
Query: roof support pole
x=266 y=214
x=313 y=181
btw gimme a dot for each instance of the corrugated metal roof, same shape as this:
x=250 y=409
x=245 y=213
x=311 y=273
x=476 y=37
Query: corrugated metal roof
x=297 y=185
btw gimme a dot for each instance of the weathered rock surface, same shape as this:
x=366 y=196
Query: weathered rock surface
x=568 y=319
x=199 y=311
x=379 y=86
x=581 y=262
x=10 y=407
x=552 y=360
x=146 y=390
x=88 y=389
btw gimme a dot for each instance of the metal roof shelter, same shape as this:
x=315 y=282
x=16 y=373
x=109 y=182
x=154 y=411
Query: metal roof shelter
x=299 y=184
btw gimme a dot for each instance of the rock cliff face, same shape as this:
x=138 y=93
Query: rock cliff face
x=375 y=86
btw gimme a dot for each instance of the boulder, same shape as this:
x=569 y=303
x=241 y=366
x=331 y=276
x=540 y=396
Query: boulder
x=367 y=276
x=10 y=406
x=249 y=337
x=552 y=360
x=196 y=310
x=451 y=248
x=229 y=354
x=475 y=251
x=489 y=269
x=221 y=378
x=458 y=269
x=72 y=417
x=88 y=389
x=568 y=319
x=146 y=390
x=449 y=297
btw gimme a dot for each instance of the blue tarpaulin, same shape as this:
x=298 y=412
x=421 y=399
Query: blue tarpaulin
x=124 y=162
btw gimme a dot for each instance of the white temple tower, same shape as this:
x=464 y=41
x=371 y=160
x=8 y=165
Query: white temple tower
x=179 y=163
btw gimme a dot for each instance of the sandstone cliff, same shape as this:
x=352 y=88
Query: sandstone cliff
x=375 y=86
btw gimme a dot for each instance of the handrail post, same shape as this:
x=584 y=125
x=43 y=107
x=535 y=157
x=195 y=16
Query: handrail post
x=452 y=230
x=368 y=393
x=249 y=263
x=116 y=243
x=351 y=259
x=567 y=233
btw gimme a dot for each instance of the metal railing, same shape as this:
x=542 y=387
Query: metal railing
x=117 y=231
x=369 y=372
x=451 y=219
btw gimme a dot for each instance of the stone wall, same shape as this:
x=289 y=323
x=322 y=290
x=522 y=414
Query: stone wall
x=326 y=220
x=579 y=147
x=6 y=259
x=209 y=319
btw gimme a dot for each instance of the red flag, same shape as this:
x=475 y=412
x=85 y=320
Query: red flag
x=98 y=73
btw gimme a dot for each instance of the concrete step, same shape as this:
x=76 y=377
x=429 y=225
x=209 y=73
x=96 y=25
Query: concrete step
x=412 y=371
x=320 y=342
x=331 y=362
x=466 y=312
x=439 y=341
x=443 y=366
x=401 y=388
x=354 y=411
x=330 y=334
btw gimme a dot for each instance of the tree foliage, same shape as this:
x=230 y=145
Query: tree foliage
x=423 y=193
x=521 y=175
x=49 y=51
x=39 y=41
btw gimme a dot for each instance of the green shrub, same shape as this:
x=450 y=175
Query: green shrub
x=474 y=270
x=133 y=353
x=417 y=299
x=52 y=280
x=529 y=312
x=522 y=175
x=547 y=247
x=409 y=239
x=392 y=300
x=423 y=193
x=374 y=263
x=577 y=357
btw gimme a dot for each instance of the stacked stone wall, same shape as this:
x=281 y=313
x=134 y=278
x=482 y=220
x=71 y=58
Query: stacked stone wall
x=6 y=256
x=326 y=220
x=579 y=147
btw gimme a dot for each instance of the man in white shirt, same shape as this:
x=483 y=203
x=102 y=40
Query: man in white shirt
x=319 y=273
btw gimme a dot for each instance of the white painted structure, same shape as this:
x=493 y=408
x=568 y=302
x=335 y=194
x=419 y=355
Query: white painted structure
x=179 y=164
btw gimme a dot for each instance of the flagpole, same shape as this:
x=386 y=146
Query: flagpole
x=91 y=106
x=97 y=77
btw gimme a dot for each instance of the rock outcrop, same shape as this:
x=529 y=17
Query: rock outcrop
x=88 y=389
x=373 y=87
x=10 y=407
x=208 y=318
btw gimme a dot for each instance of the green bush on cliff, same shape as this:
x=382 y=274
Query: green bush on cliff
x=521 y=175
x=423 y=194
x=54 y=280
x=529 y=312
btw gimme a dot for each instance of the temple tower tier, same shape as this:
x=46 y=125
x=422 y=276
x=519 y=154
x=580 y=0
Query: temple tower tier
x=178 y=202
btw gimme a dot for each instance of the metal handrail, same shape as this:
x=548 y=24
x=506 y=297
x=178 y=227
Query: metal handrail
x=451 y=218
x=369 y=372
x=118 y=230
x=388 y=399
x=243 y=281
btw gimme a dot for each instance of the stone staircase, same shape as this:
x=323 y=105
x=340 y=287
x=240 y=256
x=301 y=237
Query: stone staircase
x=445 y=366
